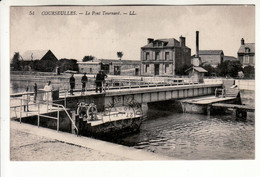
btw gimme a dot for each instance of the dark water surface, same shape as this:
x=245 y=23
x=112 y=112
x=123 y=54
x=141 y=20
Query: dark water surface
x=193 y=136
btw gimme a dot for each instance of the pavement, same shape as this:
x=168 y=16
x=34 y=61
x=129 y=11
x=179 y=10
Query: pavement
x=30 y=143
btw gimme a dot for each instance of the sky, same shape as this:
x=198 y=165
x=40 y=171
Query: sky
x=102 y=36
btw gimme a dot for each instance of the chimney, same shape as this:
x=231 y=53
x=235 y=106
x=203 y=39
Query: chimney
x=242 y=41
x=149 y=40
x=182 y=41
x=197 y=43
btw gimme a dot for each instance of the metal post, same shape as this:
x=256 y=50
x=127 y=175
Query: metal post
x=47 y=105
x=38 y=114
x=27 y=103
x=58 y=120
x=21 y=111
x=65 y=99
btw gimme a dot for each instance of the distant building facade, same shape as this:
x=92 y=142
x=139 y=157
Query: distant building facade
x=111 y=66
x=212 y=57
x=89 y=67
x=162 y=57
x=246 y=53
x=46 y=55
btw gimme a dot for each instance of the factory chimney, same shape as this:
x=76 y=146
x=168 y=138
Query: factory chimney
x=197 y=44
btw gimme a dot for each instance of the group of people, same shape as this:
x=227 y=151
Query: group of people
x=100 y=82
x=46 y=97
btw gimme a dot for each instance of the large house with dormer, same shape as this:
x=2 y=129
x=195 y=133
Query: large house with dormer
x=161 y=57
x=246 y=54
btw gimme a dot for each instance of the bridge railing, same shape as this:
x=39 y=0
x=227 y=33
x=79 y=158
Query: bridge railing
x=48 y=105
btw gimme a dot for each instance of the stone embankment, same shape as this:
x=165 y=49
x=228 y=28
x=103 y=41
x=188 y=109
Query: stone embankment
x=30 y=143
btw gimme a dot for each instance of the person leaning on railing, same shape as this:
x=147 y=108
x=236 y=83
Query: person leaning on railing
x=100 y=81
x=103 y=78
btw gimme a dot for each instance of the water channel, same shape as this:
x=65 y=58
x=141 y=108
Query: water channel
x=190 y=136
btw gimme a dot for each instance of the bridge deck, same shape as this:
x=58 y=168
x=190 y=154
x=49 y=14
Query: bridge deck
x=205 y=100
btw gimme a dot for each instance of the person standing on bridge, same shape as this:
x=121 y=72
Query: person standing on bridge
x=35 y=92
x=72 y=83
x=98 y=82
x=26 y=100
x=84 y=81
x=103 y=78
x=48 y=93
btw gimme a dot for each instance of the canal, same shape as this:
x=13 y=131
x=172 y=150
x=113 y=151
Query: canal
x=190 y=136
x=195 y=137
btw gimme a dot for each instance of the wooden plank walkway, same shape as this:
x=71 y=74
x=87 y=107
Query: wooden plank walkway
x=205 y=100
x=234 y=106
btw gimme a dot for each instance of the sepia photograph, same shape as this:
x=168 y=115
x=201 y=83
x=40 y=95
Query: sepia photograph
x=132 y=83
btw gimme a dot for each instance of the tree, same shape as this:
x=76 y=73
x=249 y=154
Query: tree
x=249 y=72
x=229 y=68
x=181 y=70
x=88 y=58
x=211 y=70
x=16 y=63
x=120 y=55
x=67 y=64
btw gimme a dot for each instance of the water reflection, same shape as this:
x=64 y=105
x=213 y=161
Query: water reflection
x=191 y=136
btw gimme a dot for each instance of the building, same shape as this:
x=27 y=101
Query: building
x=111 y=66
x=196 y=73
x=121 y=67
x=162 y=57
x=212 y=57
x=46 y=55
x=89 y=67
x=246 y=53
x=40 y=60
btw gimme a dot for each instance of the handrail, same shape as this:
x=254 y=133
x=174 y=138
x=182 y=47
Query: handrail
x=68 y=116
x=45 y=103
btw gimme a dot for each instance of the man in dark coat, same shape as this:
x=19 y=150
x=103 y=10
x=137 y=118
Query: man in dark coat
x=84 y=81
x=103 y=77
x=72 y=83
x=99 y=82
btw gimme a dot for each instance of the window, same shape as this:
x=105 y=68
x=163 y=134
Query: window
x=146 y=68
x=247 y=50
x=166 y=68
x=246 y=59
x=167 y=55
x=157 y=55
x=90 y=70
x=147 y=55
